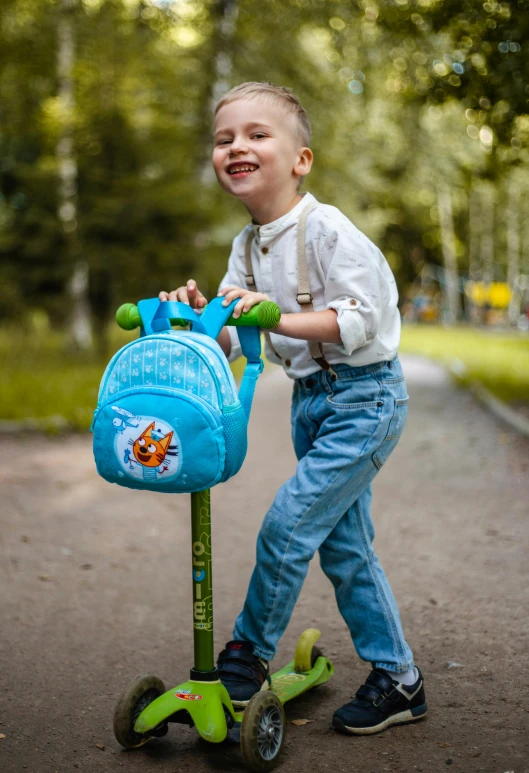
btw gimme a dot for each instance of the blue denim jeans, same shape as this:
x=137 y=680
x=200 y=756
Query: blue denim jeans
x=343 y=432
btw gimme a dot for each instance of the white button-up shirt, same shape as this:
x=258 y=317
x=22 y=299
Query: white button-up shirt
x=347 y=272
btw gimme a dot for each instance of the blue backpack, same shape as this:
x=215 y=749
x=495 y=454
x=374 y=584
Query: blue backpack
x=168 y=416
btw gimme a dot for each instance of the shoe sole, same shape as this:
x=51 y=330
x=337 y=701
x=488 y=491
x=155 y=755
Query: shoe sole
x=411 y=715
x=243 y=704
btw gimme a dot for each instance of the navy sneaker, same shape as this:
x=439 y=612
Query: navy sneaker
x=241 y=672
x=380 y=703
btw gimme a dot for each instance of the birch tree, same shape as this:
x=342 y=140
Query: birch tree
x=80 y=333
x=451 y=286
x=513 y=248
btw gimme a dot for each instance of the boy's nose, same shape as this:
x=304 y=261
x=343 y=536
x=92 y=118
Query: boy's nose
x=238 y=147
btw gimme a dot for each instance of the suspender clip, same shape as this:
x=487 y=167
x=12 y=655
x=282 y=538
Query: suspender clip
x=303 y=298
x=250 y=280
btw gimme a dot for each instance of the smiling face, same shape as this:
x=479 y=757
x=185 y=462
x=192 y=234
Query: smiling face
x=258 y=156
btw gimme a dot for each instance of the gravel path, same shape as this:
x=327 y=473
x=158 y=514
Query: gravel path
x=96 y=589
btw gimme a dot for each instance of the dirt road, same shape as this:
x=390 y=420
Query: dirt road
x=96 y=588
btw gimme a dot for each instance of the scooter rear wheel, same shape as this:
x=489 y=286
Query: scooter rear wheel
x=136 y=696
x=262 y=731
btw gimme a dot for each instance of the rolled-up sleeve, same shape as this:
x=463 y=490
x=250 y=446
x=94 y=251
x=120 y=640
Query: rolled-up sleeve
x=235 y=275
x=352 y=284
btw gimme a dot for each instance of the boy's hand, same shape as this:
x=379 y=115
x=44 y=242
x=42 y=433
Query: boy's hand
x=189 y=294
x=248 y=299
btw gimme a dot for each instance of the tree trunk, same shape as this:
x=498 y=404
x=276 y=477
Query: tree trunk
x=224 y=14
x=513 y=249
x=487 y=235
x=474 y=231
x=474 y=237
x=79 y=331
x=451 y=286
x=221 y=69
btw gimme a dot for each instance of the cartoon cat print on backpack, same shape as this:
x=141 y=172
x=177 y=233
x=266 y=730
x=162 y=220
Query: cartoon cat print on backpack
x=144 y=446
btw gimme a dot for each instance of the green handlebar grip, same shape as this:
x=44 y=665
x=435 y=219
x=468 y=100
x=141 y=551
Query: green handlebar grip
x=128 y=316
x=265 y=315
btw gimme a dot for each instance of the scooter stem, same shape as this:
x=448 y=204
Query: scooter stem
x=202 y=584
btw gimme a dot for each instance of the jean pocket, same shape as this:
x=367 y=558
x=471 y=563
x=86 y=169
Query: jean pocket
x=395 y=428
x=356 y=395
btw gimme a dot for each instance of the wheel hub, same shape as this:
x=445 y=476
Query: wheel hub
x=270 y=732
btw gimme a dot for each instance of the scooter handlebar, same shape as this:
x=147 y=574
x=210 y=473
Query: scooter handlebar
x=265 y=315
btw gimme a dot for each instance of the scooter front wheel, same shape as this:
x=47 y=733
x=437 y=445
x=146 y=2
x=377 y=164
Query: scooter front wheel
x=136 y=696
x=262 y=731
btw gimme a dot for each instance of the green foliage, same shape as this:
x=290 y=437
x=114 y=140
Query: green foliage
x=401 y=93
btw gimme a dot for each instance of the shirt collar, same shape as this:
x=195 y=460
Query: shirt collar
x=285 y=221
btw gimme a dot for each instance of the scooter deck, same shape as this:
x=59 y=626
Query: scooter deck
x=208 y=703
x=205 y=702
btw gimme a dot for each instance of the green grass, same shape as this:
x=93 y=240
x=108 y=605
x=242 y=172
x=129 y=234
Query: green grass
x=499 y=361
x=40 y=380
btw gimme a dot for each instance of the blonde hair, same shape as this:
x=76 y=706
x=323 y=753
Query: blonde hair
x=279 y=94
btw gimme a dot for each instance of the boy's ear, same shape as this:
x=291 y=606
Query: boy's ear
x=304 y=162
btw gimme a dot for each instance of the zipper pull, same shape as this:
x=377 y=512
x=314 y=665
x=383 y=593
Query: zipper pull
x=92 y=425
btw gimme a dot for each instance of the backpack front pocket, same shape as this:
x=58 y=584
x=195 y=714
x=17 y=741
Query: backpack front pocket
x=161 y=440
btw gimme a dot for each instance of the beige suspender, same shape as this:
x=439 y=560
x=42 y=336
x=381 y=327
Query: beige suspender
x=250 y=281
x=304 y=296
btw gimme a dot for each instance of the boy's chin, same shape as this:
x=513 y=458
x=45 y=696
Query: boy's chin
x=248 y=196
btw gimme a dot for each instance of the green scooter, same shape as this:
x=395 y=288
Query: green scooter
x=145 y=708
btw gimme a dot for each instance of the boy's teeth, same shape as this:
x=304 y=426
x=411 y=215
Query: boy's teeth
x=235 y=169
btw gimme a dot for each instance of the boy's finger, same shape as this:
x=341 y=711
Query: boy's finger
x=237 y=311
x=163 y=296
x=229 y=298
x=179 y=295
x=249 y=302
x=228 y=289
x=235 y=292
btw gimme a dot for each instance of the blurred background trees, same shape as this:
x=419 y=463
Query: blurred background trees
x=420 y=114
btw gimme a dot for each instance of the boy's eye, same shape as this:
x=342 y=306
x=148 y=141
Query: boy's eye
x=259 y=136
x=223 y=142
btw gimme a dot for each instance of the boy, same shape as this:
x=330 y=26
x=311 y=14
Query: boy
x=337 y=339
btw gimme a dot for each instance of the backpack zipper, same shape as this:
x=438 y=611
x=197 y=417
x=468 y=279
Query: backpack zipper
x=215 y=414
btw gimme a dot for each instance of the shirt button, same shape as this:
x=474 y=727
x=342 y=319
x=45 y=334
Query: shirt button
x=288 y=363
x=354 y=303
x=264 y=250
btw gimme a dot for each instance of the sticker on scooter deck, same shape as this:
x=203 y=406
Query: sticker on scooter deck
x=288 y=683
x=284 y=684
